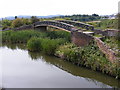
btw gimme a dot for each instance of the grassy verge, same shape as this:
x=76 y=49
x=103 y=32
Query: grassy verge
x=113 y=44
x=88 y=56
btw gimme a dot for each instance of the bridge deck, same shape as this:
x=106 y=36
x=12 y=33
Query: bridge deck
x=79 y=24
x=56 y=24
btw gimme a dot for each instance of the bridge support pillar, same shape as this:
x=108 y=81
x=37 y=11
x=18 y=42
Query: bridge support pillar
x=41 y=28
x=80 y=39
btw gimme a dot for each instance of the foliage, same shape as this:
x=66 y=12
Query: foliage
x=105 y=24
x=108 y=23
x=88 y=56
x=83 y=18
x=20 y=36
x=46 y=45
x=17 y=23
x=26 y=21
x=34 y=44
x=59 y=34
x=6 y=24
x=113 y=43
x=49 y=45
x=34 y=19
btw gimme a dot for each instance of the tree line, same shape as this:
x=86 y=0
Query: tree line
x=17 y=22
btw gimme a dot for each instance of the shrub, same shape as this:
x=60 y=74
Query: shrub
x=17 y=23
x=34 y=19
x=6 y=24
x=34 y=44
x=48 y=46
x=26 y=21
x=69 y=51
x=6 y=36
x=59 y=34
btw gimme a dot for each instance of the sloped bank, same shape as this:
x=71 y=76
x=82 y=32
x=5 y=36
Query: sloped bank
x=90 y=52
x=89 y=56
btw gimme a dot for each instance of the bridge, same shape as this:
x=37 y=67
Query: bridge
x=77 y=37
x=60 y=25
x=63 y=24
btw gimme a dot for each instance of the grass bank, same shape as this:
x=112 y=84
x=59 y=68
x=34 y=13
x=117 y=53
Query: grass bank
x=88 y=56
x=58 y=43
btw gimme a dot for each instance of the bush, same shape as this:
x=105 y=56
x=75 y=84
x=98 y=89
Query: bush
x=17 y=23
x=6 y=24
x=59 y=34
x=69 y=51
x=34 y=19
x=26 y=21
x=34 y=44
x=48 y=46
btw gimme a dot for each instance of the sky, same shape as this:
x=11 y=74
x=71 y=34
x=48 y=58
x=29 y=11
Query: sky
x=57 y=7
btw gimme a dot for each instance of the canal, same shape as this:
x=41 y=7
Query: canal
x=23 y=69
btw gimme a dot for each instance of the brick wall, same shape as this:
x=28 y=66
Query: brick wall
x=80 y=39
x=105 y=49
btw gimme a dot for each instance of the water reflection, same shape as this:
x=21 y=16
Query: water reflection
x=97 y=78
x=90 y=75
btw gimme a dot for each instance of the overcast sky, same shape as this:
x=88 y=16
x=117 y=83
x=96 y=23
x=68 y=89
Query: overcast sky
x=53 y=7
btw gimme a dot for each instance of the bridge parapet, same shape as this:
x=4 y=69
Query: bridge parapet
x=79 y=24
x=56 y=24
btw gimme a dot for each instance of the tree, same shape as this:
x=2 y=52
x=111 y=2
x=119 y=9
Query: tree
x=17 y=23
x=34 y=19
x=95 y=15
x=15 y=17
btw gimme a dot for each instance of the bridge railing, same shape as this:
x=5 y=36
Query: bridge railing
x=78 y=24
x=55 y=23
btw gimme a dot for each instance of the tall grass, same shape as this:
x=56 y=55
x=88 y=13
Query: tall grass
x=49 y=45
x=59 y=34
x=34 y=44
x=89 y=56
x=25 y=35
x=46 y=45
x=20 y=36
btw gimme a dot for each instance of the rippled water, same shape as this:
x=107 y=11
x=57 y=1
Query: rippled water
x=23 y=69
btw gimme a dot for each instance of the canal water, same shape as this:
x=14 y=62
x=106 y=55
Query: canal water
x=23 y=69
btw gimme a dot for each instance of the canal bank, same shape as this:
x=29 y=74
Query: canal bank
x=57 y=43
x=22 y=68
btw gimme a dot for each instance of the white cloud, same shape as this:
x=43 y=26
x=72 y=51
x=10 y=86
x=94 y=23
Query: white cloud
x=50 y=7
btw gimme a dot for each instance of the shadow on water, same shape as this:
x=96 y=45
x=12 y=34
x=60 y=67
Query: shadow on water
x=88 y=74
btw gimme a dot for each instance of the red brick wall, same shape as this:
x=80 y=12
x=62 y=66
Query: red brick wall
x=80 y=39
